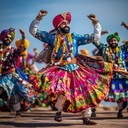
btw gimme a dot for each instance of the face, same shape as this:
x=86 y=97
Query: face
x=113 y=43
x=7 y=40
x=64 y=27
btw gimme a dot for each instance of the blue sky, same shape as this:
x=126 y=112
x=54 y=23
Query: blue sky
x=20 y=13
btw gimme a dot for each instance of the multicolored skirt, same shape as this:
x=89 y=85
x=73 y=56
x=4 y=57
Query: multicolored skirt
x=84 y=87
x=16 y=88
x=118 y=90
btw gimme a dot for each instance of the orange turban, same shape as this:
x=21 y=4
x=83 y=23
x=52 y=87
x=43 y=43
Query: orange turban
x=26 y=43
x=84 y=52
x=60 y=18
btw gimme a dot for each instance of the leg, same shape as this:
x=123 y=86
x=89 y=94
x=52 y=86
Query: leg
x=15 y=102
x=122 y=105
x=59 y=105
x=16 y=108
x=93 y=112
x=86 y=117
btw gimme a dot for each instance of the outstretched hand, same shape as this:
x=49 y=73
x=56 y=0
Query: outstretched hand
x=42 y=13
x=104 y=32
x=124 y=24
x=93 y=18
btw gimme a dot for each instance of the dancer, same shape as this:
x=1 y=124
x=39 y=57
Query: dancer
x=21 y=61
x=118 y=91
x=13 y=87
x=126 y=55
x=74 y=83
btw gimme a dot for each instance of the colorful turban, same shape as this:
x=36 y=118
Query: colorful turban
x=60 y=18
x=7 y=32
x=114 y=35
x=26 y=43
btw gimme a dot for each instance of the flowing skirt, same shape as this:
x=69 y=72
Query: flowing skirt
x=118 y=90
x=84 y=87
x=15 y=88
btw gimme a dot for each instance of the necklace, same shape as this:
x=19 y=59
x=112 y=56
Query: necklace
x=115 y=56
x=61 y=42
x=3 y=57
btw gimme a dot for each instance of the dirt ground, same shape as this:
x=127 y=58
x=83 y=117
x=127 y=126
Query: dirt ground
x=44 y=118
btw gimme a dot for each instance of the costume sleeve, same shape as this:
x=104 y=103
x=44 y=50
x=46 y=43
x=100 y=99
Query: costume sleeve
x=124 y=47
x=41 y=35
x=86 y=38
x=97 y=32
x=100 y=46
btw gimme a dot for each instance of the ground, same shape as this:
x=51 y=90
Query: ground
x=44 y=118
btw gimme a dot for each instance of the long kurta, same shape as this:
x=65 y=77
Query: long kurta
x=84 y=82
x=118 y=90
x=15 y=88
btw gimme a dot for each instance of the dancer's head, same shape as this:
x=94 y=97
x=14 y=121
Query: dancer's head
x=113 y=40
x=61 y=22
x=7 y=36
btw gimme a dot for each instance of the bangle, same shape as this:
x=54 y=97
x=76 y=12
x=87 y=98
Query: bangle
x=39 y=17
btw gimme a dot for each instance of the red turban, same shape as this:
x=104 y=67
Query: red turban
x=60 y=18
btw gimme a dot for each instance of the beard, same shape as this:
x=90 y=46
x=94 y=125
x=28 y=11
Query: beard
x=113 y=45
x=65 y=30
x=7 y=43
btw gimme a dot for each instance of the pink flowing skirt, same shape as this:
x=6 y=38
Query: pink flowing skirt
x=84 y=87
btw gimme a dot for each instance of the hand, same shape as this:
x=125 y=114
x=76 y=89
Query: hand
x=124 y=24
x=93 y=18
x=22 y=33
x=35 y=50
x=104 y=32
x=42 y=13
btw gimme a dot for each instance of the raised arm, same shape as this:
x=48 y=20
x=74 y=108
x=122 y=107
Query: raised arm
x=33 y=27
x=41 y=35
x=124 y=24
x=97 y=26
x=21 y=47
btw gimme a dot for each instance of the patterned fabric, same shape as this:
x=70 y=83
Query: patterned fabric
x=118 y=58
x=118 y=87
x=118 y=90
x=11 y=59
x=83 y=84
x=15 y=88
x=77 y=40
x=84 y=87
x=45 y=55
